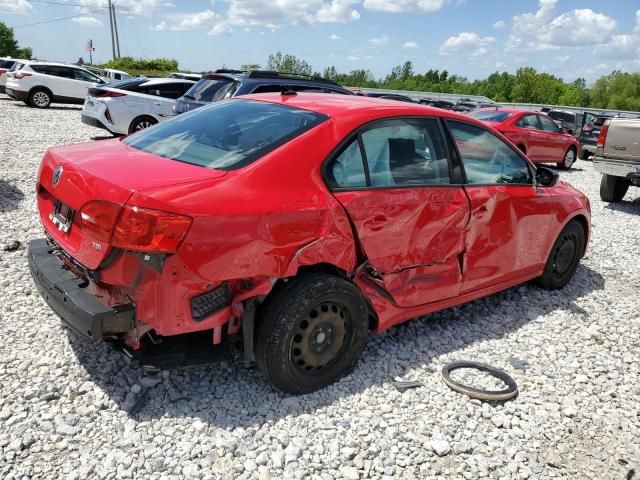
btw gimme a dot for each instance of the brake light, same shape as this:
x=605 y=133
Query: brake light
x=107 y=115
x=148 y=230
x=602 y=138
x=98 y=219
x=108 y=93
x=3 y=71
x=19 y=75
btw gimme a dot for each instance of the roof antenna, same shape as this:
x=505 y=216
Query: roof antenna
x=286 y=90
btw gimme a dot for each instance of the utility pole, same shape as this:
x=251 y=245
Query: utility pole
x=113 y=41
x=90 y=48
x=115 y=28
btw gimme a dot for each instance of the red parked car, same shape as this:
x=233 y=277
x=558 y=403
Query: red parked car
x=534 y=133
x=302 y=222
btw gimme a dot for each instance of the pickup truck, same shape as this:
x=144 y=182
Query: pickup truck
x=617 y=157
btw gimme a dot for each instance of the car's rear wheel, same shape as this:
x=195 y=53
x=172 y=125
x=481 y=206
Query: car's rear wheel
x=569 y=159
x=613 y=189
x=564 y=257
x=40 y=98
x=142 y=122
x=311 y=332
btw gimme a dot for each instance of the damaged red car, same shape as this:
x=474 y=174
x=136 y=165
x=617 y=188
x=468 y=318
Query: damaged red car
x=299 y=222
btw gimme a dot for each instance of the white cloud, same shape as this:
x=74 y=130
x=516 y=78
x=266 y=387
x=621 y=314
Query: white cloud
x=410 y=45
x=279 y=13
x=500 y=65
x=206 y=19
x=159 y=27
x=352 y=58
x=637 y=29
x=382 y=41
x=544 y=30
x=220 y=28
x=333 y=36
x=88 y=21
x=467 y=42
x=499 y=24
x=16 y=7
x=142 y=8
x=399 y=6
x=620 y=46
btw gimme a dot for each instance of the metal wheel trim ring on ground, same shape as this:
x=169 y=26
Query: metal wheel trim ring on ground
x=506 y=394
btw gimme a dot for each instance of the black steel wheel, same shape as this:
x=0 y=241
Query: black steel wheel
x=140 y=123
x=564 y=257
x=311 y=333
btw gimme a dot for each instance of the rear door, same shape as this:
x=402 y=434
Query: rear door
x=406 y=205
x=80 y=82
x=510 y=219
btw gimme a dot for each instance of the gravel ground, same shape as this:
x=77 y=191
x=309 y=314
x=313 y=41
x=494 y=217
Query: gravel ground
x=73 y=409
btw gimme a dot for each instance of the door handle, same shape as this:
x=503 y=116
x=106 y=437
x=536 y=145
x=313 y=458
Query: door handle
x=376 y=223
x=157 y=103
x=480 y=212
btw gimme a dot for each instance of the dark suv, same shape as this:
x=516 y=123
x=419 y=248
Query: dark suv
x=221 y=84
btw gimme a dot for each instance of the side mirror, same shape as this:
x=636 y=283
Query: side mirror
x=546 y=177
x=563 y=130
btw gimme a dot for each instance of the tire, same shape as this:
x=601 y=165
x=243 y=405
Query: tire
x=613 y=189
x=564 y=257
x=569 y=159
x=140 y=123
x=586 y=155
x=311 y=333
x=40 y=98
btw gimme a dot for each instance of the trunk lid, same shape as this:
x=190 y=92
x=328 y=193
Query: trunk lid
x=623 y=139
x=109 y=171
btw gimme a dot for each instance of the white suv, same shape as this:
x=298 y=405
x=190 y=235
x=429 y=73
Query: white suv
x=131 y=105
x=40 y=84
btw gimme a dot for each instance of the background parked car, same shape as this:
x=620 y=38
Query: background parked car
x=40 y=84
x=132 y=105
x=109 y=75
x=224 y=83
x=570 y=121
x=186 y=76
x=444 y=104
x=464 y=106
x=589 y=133
x=391 y=96
x=6 y=64
x=534 y=133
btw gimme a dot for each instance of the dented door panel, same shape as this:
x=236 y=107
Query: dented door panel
x=412 y=239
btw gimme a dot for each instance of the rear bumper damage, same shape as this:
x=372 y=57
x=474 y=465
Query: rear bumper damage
x=68 y=296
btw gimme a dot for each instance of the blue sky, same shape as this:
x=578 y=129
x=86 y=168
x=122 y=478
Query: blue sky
x=473 y=38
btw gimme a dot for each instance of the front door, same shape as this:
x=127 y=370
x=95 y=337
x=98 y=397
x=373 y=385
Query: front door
x=556 y=141
x=409 y=215
x=509 y=226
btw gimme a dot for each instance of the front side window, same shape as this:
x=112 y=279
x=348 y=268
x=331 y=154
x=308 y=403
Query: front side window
x=212 y=89
x=226 y=135
x=548 y=125
x=486 y=158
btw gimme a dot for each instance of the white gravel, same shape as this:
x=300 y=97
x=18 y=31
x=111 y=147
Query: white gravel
x=64 y=401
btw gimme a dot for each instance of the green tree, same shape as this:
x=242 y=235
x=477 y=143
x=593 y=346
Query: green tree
x=250 y=66
x=9 y=45
x=288 y=64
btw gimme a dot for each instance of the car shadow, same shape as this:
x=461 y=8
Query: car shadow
x=626 y=206
x=10 y=196
x=210 y=392
x=52 y=107
x=103 y=137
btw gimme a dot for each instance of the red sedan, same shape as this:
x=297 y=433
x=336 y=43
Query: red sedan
x=302 y=222
x=534 y=133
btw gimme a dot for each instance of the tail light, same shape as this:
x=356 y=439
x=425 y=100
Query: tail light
x=107 y=115
x=3 y=71
x=107 y=93
x=98 y=219
x=19 y=75
x=147 y=230
x=134 y=228
x=602 y=138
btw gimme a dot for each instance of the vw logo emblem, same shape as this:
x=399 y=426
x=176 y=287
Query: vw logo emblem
x=57 y=173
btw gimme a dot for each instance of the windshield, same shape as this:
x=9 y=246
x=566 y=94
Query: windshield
x=562 y=116
x=226 y=135
x=490 y=115
x=212 y=89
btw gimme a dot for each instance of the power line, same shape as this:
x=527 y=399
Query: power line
x=57 y=19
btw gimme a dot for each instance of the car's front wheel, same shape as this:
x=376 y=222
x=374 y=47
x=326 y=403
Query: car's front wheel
x=564 y=257
x=311 y=332
x=569 y=159
x=40 y=98
x=613 y=189
x=140 y=123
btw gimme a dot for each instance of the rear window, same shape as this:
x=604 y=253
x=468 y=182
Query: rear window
x=16 y=66
x=490 y=115
x=6 y=63
x=212 y=89
x=562 y=116
x=226 y=135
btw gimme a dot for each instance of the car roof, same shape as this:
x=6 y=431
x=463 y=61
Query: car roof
x=269 y=77
x=164 y=81
x=337 y=105
x=507 y=110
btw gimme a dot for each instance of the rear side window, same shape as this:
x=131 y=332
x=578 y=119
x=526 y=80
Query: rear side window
x=226 y=135
x=487 y=160
x=168 y=90
x=212 y=89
